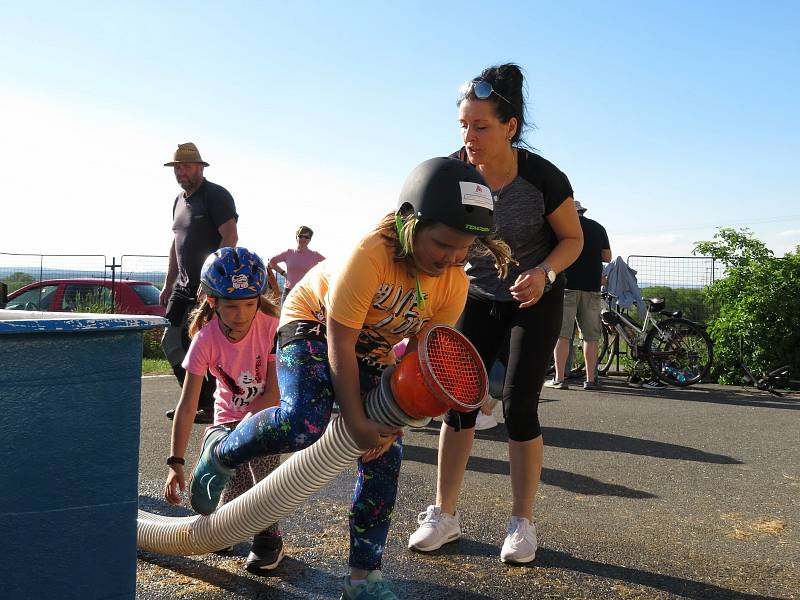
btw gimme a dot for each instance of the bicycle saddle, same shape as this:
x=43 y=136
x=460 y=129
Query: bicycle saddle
x=656 y=304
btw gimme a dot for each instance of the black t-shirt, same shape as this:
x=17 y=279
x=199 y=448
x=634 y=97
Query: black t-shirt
x=584 y=274
x=520 y=211
x=196 y=222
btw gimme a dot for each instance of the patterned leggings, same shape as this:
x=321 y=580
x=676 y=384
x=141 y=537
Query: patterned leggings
x=247 y=476
x=304 y=412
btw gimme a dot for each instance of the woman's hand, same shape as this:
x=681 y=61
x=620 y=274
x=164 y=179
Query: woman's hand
x=175 y=482
x=529 y=287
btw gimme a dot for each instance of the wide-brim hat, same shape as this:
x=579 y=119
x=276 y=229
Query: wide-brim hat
x=186 y=153
x=579 y=207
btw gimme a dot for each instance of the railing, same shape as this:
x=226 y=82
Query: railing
x=681 y=279
x=18 y=270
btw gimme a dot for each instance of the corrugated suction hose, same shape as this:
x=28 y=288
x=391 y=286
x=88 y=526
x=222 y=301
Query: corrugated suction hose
x=308 y=470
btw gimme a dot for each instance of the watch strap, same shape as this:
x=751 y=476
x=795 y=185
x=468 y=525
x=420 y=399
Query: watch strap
x=547 y=270
x=175 y=460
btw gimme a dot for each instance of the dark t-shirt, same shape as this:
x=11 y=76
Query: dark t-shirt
x=520 y=209
x=196 y=222
x=584 y=274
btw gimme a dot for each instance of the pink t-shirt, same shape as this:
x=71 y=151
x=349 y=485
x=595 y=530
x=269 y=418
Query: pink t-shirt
x=240 y=368
x=298 y=263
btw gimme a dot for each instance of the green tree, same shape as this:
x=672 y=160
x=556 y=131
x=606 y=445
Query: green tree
x=759 y=304
x=17 y=280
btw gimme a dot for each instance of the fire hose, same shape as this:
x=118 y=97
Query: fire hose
x=445 y=372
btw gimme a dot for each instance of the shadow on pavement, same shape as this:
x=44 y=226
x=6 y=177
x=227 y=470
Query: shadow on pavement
x=579 y=484
x=554 y=559
x=594 y=440
x=577 y=439
x=159 y=506
x=715 y=394
x=292 y=572
x=675 y=585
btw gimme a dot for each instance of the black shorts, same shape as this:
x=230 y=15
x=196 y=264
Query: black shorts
x=523 y=339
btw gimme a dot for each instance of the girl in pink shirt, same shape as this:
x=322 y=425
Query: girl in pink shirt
x=233 y=336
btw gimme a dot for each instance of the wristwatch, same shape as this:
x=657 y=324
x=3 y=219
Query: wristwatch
x=175 y=460
x=549 y=273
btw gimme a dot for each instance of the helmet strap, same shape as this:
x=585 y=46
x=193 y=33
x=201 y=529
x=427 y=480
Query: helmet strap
x=224 y=326
x=399 y=224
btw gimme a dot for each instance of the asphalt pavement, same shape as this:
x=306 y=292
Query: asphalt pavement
x=662 y=494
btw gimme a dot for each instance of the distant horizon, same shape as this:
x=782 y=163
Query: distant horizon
x=157 y=276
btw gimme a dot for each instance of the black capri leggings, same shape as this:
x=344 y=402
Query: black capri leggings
x=523 y=339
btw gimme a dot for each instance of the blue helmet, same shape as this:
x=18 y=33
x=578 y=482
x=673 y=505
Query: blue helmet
x=234 y=273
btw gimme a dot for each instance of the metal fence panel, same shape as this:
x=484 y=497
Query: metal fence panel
x=685 y=276
x=144 y=267
x=694 y=272
x=17 y=270
x=680 y=273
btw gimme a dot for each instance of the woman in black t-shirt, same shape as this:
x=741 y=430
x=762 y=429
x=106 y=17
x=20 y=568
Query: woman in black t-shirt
x=516 y=318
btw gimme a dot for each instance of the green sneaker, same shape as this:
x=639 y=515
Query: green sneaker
x=210 y=476
x=375 y=589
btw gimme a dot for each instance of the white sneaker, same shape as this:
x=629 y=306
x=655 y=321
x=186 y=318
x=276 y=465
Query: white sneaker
x=520 y=545
x=556 y=385
x=484 y=421
x=436 y=528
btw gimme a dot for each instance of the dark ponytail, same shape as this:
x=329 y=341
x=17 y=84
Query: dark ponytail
x=508 y=81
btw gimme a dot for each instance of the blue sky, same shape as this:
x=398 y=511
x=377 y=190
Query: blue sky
x=669 y=118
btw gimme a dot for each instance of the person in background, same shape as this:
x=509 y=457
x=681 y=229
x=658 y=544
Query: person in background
x=233 y=336
x=298 y=261
x=203 y=220
x=516 y=316
x=582 y=301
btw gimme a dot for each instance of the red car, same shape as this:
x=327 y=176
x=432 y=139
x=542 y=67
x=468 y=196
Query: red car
x=84 y=295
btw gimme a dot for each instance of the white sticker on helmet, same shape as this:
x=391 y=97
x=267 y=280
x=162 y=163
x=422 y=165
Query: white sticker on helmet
x=476 y=194
x=239 y=282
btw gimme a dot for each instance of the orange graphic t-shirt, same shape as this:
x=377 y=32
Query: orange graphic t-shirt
x=372 y=292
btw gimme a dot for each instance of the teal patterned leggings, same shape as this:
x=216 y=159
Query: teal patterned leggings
x=304 y=412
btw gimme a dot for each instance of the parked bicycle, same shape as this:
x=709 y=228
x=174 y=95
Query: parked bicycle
x=782 y=378
x=678 y=350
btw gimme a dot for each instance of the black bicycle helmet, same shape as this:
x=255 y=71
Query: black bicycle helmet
x=449 y=191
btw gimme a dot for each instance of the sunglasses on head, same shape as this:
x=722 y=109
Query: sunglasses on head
x=483 y=89
x=304 y=236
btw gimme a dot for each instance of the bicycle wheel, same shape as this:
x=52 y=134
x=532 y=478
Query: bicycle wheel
x=679 y=352
x=610 y=350
x=578 y=366
x=602 y=348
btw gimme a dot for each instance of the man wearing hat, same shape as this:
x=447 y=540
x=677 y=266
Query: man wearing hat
x=582 y=300
x=203 y=220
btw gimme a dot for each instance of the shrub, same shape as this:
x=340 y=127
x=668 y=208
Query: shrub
x=759 y=300
x=151 y=348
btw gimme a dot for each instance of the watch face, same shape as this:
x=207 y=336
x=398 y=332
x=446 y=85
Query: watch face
x=551 y=276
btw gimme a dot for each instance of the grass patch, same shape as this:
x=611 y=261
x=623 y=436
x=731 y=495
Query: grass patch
x=155 y=366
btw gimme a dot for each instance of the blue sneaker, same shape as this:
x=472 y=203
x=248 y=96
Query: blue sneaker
x=375 y=589
x=210 y=476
